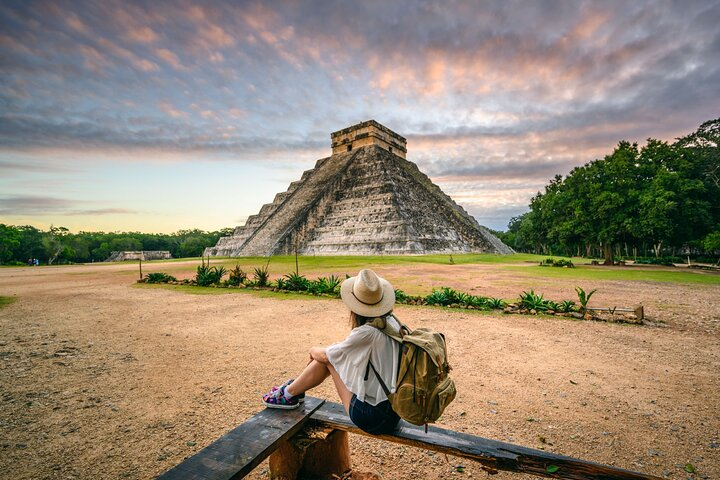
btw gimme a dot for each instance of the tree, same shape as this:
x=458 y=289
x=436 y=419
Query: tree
x=712 y=244
x=55 y=242
x=125 y=243
x=9 y=241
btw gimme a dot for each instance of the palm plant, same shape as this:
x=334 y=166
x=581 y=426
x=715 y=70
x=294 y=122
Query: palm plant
x=584 y=298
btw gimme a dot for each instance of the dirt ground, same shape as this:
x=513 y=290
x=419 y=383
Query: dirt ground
x=104 y=379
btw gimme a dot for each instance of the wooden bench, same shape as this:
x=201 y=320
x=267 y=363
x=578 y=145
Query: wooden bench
x=276 y=432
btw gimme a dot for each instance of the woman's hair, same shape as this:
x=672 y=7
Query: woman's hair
x=357 y=320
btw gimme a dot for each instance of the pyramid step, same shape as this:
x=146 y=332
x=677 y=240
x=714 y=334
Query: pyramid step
x=274 y=229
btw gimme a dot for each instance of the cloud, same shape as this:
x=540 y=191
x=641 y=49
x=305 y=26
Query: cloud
x=104 y=211
x=33 y=166
x=170 y=58
x=19 y=205
x=32 y=205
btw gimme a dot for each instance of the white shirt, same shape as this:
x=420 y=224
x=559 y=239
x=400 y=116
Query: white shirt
x=350 y=358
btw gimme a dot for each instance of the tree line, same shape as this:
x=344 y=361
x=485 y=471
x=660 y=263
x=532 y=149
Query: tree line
x=661 y=199
x=18 y=244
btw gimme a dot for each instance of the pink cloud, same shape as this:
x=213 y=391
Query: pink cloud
x=76 y=24
x=142 y=35
x=170 y=58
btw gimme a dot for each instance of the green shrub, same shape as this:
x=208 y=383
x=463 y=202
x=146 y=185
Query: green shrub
x=665 y=261
x=551 y=262
x=159 y=277
x=237 y=276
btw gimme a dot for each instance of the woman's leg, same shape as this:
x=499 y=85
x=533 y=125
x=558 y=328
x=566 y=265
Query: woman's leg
x=313 y=375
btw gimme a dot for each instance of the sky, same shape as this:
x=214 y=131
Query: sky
x=158 y=116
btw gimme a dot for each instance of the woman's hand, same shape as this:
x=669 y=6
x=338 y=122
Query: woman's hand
x=318 y=354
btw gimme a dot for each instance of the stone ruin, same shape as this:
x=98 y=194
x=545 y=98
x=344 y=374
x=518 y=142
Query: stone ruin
x=139 y=255
x=365 y=199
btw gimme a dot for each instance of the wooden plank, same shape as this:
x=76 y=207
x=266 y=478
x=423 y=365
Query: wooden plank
x=239 y=451
x=492 y=454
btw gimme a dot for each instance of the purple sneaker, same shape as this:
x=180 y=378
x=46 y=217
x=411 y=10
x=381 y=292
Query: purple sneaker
x=276 y=399
x=301 y=397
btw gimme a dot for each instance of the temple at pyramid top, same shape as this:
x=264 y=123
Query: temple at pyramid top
x=364 y=199
x=368 y=133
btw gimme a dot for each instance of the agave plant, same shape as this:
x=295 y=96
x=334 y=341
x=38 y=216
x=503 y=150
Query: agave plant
x=566 y=306
x=584 y=298
x=444 y=297
x=296 y=283
x=333 y=284
x=159 y=277
x=495 y=303
x=476 y=301
x=261 y=276
x=325 y=285
x=207 y=275
x=533 y=301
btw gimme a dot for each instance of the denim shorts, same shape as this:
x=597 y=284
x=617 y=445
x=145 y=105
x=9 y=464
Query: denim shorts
x=374 y=420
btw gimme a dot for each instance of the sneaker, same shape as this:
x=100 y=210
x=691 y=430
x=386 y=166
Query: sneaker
x=301 y=397
x=276 y=399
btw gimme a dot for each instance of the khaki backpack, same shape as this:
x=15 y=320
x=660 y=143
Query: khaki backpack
x=423 y=387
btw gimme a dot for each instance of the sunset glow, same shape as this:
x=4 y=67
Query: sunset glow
x=158 y=116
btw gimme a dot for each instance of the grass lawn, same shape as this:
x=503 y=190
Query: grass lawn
x=644 y=274
x=521 y=265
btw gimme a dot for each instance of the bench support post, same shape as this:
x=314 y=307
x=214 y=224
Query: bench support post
x=324 y=455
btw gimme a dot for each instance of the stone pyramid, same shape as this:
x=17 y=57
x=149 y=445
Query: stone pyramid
x=365 y=199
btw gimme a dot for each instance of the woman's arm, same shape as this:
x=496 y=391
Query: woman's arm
x=318 y=354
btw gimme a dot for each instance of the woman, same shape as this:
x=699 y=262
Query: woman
x=351 y=362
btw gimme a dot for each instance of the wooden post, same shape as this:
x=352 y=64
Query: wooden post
x=140 y=267
x=313 y=457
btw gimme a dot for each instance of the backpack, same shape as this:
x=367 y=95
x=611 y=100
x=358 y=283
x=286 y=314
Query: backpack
x=423 y=387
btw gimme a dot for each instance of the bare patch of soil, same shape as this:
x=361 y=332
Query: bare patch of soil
x=100 y=378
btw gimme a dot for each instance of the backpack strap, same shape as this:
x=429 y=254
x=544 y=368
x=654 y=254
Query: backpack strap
x=382 y=384
x=396 y=334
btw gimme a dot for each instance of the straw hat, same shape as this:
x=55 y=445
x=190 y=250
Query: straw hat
x=367 y=294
